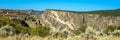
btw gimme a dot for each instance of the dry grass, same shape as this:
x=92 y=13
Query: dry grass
x=84 y=36
x=19 y=37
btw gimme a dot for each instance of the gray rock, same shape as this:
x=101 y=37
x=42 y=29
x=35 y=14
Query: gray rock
x=71 y=21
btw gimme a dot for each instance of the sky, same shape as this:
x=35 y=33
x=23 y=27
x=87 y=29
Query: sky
x=75 y=5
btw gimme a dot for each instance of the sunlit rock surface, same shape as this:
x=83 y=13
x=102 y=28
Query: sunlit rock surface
x=61 y=20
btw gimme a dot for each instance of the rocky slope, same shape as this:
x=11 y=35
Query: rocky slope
x=21 y=16
x=64 y=24
x=66 y=20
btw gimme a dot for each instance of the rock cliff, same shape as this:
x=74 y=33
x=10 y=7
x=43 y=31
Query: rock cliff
x=66 y=20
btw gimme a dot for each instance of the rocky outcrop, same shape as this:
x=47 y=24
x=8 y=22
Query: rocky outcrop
x=28 y=18
x=65 y=20
x=22 y=22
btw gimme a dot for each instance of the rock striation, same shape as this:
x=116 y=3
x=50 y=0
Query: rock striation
x=66 y=20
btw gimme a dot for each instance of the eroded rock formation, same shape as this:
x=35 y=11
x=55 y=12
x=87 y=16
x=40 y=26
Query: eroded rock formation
x=63 y=20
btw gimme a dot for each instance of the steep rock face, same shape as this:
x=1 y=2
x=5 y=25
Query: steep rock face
x=63 y=20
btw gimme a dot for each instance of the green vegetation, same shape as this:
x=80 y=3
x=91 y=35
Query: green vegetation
x=80 y=30
x=100 y=12
x=40 y=31
x=105 y=12
x=37 y=31
x=18 y=27
x=22 y=29
x=4 y=21
x=111 y=28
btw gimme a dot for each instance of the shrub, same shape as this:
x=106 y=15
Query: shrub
x=80 y=30
x=22 y=29
x=4 y=21
x=40 y=31
x=18 y=27
x=111 y=28
x=116 y=33
x=60 y=34
x=7 y=30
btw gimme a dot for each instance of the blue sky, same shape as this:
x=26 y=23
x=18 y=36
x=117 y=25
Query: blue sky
x=76 y=5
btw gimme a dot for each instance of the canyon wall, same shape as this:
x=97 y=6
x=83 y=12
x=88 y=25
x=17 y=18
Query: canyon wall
x=65 y=20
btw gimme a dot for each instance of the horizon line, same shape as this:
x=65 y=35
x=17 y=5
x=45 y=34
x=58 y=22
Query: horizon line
x=57 y=9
